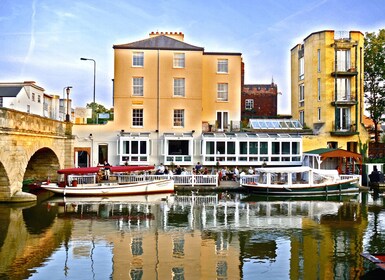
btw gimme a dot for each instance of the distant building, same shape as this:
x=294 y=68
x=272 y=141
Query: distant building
x=259 y=101
x=327 y=89
x=30 y=98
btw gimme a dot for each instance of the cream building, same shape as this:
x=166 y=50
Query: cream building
x=166 y=92
x=327 y=89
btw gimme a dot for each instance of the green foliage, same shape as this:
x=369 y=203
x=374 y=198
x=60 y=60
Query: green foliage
x=97 y=109
x=374 y=76
x=363 y=150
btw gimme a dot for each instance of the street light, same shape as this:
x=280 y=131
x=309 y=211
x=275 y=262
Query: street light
x=82 y=58
x=68 y=89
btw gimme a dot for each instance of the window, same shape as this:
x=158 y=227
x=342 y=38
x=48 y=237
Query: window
x=137 y=117
x=319 y=89
x=343 y=118
x=222 y=92
x=179 y=117
x=179 y=87
x=302 y=117
x=319 y=114
x=222 y=120
x=33 y=96
x=343 y=89
x=223 y=66
x=319 y=60
x=1 y=101
x=301 y=68
x=38 y=98
x=138 y=59
x=134 y=151
x=249 y=104
x=137 y=86
x=301 y=95
x=179 y=60
x=343 y=60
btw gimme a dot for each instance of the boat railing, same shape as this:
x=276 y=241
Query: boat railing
x=247 y=179
x=186 y=180
x=82 y=179
x=352 y=176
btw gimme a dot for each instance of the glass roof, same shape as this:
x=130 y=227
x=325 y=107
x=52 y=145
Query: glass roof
x=274 y=124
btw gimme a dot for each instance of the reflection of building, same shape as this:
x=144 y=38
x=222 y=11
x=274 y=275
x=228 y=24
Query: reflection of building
x=327 y=89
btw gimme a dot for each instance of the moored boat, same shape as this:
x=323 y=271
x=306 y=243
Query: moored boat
x=87 y=182
x=300 y=180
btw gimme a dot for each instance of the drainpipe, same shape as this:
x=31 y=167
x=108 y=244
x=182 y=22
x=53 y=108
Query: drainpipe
x=158 y=109
x=335 y=88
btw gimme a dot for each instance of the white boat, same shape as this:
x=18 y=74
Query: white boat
x=86 y=187
x=300 y=180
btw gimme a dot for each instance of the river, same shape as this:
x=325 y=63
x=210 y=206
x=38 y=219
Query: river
x=211 y=236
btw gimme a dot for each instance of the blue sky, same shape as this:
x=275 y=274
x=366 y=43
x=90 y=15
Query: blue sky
x=43 y=40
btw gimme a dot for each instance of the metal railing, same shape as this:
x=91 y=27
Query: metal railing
x=82 y=179
x=182 y=180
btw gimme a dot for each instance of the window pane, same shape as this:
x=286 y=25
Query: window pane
x=126 y=147
x=138 y=59
x=179 y=60
x=253 y=148
x=137 y=117
x=179 y=117
x=223 y=66
x=263 y=148
x=137 y=86
x=143 y=147
x=222 y=92
x=285 y=148
x=231 y=148
x=275 y=146
x=221 y=148
x=179 y=87
x=210 y=148
x=295 y=148
x=243 y=148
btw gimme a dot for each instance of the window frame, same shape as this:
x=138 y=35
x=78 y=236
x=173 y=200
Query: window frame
x=137 y=120
x=138 y=87
x=179 y=90
x=249 y=104
x=138 y=59
x=223 y=66
x=179 y=62
x=178 y=118
x=223 y=93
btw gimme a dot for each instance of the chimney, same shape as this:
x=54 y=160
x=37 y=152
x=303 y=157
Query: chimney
x=175 y=35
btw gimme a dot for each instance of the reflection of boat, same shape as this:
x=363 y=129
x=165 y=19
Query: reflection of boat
x=152 y=198
x=377 y=259
x=87 y=182
x=298 y=181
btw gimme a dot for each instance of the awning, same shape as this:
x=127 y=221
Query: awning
x=335 y=153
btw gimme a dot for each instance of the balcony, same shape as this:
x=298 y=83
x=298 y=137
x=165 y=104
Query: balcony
x=348 y=129
x=341 y=69
x=344 y=99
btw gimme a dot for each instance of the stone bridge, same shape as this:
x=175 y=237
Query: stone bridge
x=32 y=148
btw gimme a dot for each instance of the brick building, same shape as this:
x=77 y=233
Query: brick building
x=259 y=101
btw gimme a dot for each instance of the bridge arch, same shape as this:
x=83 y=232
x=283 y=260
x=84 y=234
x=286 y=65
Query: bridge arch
x=4 y=180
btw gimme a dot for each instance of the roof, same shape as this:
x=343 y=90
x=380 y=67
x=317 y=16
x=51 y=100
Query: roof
x=161 y=42
x=9 y=91
x=329 y=153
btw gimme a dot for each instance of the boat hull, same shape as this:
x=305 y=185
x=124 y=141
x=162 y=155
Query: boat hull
x=113 y=189
x=346 y=186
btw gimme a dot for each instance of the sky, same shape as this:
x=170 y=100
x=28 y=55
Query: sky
x=43 y=40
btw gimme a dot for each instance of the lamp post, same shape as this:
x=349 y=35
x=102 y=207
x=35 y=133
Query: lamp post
x=68 y=89
x=82 y=58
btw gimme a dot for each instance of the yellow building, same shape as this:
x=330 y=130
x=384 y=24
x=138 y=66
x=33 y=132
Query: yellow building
x=166 y=92
x=327 y=89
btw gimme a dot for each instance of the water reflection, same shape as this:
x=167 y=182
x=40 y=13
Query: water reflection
x=191 y=237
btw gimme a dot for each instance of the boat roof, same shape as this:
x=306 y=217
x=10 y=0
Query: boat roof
x=336 y=153
x=284 y=169
x=96 y=169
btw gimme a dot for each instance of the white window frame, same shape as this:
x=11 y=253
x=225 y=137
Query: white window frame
x=138 y=59
x=301 y=95
x=137 y=86
x=223 y=66
x=179 y=60
x=179 y=87
x=301 y=68
x=319 y=60
x=319 y=89
x=223 y=92
x=302 y=117
x=137 y=119
x=135 y=158
x=343 y=89
x=222 y=119
x=178 y=118
x=249 y=104
x=343 y=60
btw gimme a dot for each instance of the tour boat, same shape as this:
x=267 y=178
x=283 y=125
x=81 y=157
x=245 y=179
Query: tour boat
x=300 y=180
x=89 y=181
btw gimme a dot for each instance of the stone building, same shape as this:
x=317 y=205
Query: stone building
x=327 y=89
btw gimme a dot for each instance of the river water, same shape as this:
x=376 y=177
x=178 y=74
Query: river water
x=211 y=236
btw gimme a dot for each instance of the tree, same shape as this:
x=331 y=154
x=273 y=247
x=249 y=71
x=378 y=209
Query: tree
x=374 y=76
x=97 y=109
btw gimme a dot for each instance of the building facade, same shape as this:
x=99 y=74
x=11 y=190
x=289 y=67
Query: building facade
x=176 y=104
x=259 y=101
x=327 y=89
